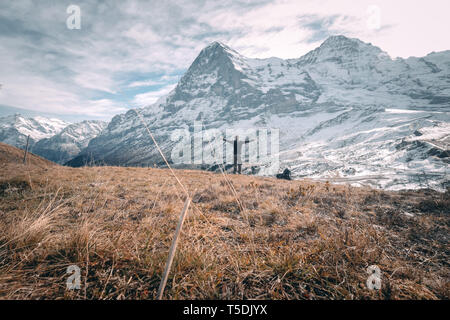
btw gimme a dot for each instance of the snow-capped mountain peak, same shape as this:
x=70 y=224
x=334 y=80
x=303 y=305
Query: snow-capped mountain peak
x=216 y=49
x=351 y=48
x=14 y=129
x=53 y=139
x=69 y=142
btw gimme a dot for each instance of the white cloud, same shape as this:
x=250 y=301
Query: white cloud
x=146 y=99
x=146 y=83
x=165 y=79
x=36 y=93
x=96 y=81
x=414 y=27
x=46 y=66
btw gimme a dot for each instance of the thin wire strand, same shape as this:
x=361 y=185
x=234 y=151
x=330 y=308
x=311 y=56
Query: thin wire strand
x=161 y=153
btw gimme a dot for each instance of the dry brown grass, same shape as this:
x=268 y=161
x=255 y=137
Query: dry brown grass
x=10 y=154
x=288 y=240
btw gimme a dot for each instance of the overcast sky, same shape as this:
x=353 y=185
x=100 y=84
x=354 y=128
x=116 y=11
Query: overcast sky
x=128 y=53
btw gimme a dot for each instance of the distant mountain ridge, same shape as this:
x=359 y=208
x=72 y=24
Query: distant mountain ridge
x=52 y=139
x=68 y=143
x=14 y=129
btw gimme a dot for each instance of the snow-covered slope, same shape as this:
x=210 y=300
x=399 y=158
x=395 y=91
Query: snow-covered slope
x=345 y=110
x=14 y=129
x=69 y=142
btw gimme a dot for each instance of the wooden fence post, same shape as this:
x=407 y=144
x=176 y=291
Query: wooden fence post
x=173 y=249
x=26 y=151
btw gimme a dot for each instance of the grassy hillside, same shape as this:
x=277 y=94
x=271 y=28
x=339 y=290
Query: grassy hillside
x=284 y=240
x=10 y=154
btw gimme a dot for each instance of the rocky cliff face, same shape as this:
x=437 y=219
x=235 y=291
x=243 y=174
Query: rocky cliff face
x=346 y=111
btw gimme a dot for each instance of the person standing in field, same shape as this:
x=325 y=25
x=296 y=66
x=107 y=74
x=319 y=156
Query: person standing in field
x=237 y=148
